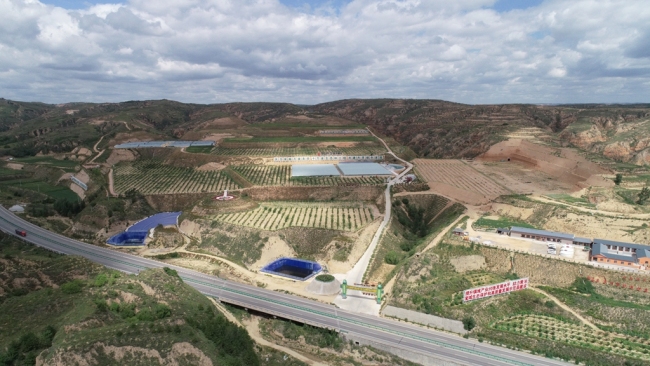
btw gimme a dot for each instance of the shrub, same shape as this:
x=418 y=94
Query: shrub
x=618 y=179
x=469 y=323
x=171 y=272
x=511 y=276
x=101 y=280
x=145 y=315
x=127 y=311
x=101 y=305
x=163 y=311
x=72 y=287
x=583 y=285
x=325 y=278
x=392 y=257
x=643 y=196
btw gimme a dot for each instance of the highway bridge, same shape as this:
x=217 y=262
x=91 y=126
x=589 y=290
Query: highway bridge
x=379 y=331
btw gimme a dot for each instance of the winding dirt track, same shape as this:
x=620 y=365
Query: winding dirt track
x=252 y=326
x=563 y=306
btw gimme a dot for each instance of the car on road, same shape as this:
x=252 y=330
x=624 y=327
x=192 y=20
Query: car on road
x=21 y=232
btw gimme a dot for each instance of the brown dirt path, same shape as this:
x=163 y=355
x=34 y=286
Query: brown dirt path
x=389 y=285
x=439 y=237
x=110 y=183
x=253 y=328
x=589 y=210
x=563 y=306
x=95 y=147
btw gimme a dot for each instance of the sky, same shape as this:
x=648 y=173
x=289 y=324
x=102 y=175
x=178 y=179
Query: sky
x=308 y=52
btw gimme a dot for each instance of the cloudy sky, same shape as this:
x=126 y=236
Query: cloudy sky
x=312 y=51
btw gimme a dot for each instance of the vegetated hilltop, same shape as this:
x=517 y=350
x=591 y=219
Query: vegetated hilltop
x=439 y=129
x=62 y=310
x=431 y=128
x=29 y=128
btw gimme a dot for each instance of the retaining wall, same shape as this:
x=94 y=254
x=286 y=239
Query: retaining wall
x=451 y=325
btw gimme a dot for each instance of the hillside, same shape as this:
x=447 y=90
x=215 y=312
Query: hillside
x=29 y=128
x=439 y=129
x=431 y=128
x=64 y=310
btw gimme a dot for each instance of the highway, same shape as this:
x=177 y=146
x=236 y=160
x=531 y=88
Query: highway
x=409 y=338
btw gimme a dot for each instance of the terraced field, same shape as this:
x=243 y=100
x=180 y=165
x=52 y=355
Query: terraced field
x=280 y=215
x=547 y=328
x=280 y=175
x=152 y=177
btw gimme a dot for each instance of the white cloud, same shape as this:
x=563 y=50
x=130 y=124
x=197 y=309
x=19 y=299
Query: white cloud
x=577 y=51
x=557 y=72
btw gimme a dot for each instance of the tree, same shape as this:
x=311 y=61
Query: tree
x=643 y=195
x=583 y=285
x=618 y=179
x=392 y=257
x=469 y=323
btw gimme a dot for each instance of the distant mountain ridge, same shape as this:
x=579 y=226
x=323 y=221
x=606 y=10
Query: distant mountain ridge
x=431 y=128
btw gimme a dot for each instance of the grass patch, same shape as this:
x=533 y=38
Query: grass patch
x=325 y=278
x=43 y=187
x=572 y=200
x=244 y=247
x=502 y=222
x=199 y=149
x=50 y=161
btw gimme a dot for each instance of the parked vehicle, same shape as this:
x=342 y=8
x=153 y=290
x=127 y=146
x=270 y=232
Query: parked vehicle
x=21 y=232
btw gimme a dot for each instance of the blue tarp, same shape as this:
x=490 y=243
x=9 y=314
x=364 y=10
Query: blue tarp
x=203 y=143
x=145 y=144
x=128 y=238
x=314 y=170
x=137 y=233
x=349 y=169
x=164 y=219
x=285 y=266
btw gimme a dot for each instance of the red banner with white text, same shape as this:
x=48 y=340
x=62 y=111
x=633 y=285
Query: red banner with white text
x=496 y=289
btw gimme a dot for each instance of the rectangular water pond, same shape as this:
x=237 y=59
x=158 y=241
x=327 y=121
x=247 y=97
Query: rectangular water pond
x=296 y=269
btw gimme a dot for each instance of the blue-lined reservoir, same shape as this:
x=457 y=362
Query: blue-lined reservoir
x=294 y=268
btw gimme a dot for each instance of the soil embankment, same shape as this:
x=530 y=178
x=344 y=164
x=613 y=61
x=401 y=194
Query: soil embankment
x=562 y=164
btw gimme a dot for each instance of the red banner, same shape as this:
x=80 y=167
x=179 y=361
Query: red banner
x=497 y=289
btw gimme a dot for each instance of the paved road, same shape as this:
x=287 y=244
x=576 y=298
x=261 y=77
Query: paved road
x=405 y=336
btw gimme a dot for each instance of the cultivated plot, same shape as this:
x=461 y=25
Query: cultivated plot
x=280 y=175
x=276 y=216
x=547 y=328
x=152 y=177
x=457 y=174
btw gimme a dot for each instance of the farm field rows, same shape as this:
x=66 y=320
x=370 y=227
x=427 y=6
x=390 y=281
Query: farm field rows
x=280 y=175
x=293 y=151
x=549 y=328
x=152 y=177
x=276 y=216
x=458 y=174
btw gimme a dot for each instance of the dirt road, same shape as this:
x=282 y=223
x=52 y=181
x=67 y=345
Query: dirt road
x=110 y=183
x=563 y=306
x=589 y=210
x=439 y=237
x=253 y=328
